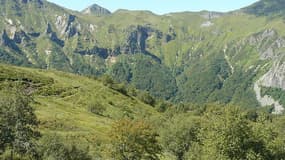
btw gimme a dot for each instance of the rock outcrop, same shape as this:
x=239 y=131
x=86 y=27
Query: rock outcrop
x=66 y=25
x=96 y=10
x=267 y=43
x=53 y=36
x=136 y=39
x=275 y=77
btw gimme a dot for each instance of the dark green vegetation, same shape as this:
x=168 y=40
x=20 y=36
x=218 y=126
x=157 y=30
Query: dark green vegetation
x=267 y=8
x=75 y=114
x=200 y=57
x=55 y=115
x=18 y=123
x=178 y=86
x=134 y=140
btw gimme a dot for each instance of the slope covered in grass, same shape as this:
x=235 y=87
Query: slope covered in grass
x=62 y=102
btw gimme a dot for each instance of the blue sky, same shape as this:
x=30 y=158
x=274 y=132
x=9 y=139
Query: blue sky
x=158 y=6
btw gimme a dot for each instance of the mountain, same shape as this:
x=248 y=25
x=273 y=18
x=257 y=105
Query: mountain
x=96 y=10
x=267 y=8
x=193 y=57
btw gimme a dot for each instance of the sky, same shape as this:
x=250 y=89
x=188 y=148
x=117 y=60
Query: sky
x=158 y=6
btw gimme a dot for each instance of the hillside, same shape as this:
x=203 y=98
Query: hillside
x=267 y=8
x=196 y=57
x=133 y=85
x=71 y=130
x=62 y=104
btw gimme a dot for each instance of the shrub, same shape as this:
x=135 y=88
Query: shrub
x=134 y=140
x=96 y=108
x=146 y=98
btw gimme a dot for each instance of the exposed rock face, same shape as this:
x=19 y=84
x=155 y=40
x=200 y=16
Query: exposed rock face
x=21 y=37
x=53 y=36
x=267 y=100
x=211 y=15
x=96 y=10
x=275 y=77
x=267 y=43
x=66 y=25
x=136 y=40
x=101 y=52
x=61 y=23
x=6 y=41
x=71 y=29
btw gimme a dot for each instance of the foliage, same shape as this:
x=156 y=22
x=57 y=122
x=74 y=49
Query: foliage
x=145 y=74
x=162 y=106
x=134 y=140
x=107 y=80
x=53 y=148
x=18 y=123
x=179 y=135
x=172 y=57
x=96 y=108
x=210 y=77
x=68 y=116
x=228 y=134
x=121 y=72
x=266 y=8
x=146 y=98
x=187 y=131
x=241 y=93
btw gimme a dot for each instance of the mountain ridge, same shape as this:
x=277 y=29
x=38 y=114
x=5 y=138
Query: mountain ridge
x=181 y=57
x=266 y=8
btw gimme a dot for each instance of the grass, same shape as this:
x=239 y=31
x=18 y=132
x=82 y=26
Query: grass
x=64 y=111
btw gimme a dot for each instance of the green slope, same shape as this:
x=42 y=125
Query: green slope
x=196 y=57
x=61 y=101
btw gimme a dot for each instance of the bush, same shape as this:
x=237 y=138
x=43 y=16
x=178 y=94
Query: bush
x=134 y=140
x=53 y=148
x=18 y=123
x=107 y=80
x=162 y=106
x=120 y=87
x=96 y=108
x=146 y=98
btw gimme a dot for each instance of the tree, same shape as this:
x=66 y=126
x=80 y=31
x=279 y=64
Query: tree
x=180 y=133
x=121 y=72
x=229 y=134
x=18 y=123
x=134 y=140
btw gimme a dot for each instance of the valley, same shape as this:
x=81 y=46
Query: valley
x=194 y=85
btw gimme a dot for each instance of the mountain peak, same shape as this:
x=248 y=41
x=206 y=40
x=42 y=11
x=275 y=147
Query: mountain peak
x=96 y=10
x=266 y=8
